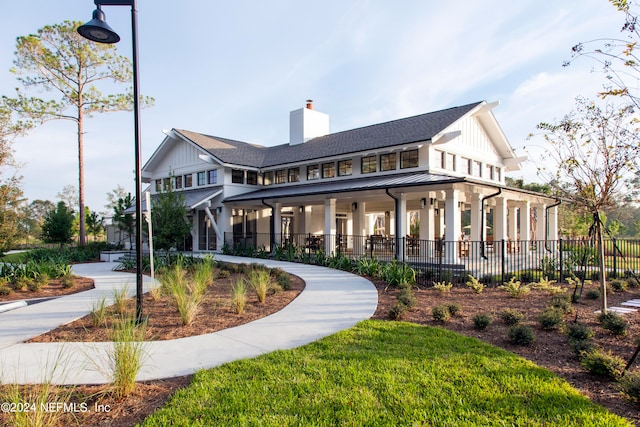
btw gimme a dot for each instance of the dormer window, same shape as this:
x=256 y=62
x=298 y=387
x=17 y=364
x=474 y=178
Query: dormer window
x=313 y=172
x=294 y=174
x=328 y=170
x=388 y=162
x=345 y=167
x=409 y=159
x=369 y=164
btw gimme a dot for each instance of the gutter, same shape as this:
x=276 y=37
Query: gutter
x=482 y=227
x=546 y=223
x=272 y=228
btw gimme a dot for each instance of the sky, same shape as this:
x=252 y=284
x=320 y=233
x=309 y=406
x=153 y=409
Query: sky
x=236 y=70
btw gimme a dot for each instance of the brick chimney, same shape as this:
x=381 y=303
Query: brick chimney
x=307 y=123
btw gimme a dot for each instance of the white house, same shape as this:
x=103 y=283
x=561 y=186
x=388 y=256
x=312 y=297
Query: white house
x=355 y=183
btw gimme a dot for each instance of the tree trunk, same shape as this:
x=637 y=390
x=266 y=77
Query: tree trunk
x=603 y=277
x=82 y=239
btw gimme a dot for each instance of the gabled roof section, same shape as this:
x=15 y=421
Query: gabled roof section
x=226 y=150
x=394 y=133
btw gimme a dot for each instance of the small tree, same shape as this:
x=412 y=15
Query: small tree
x=94 y=223
x=58 y=225
x=170 y=222
x=592 y=156
x=126 y=221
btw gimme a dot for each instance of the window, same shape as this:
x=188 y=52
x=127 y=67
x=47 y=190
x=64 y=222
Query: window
x=498 y=174
x=188 y=181
x=281 y=176
x=328 y=170
x=477 y=171
x=345 y=167
x=177 y=182
x=313 y=172
x=441 y=159
x=237 y=176
x=488 y=171
x=466 y=166
x=213 y=176
x=158 y=185
x=450 y=162
x=387 y=162
x=166 y=184
x=202 y=178
x=252 y=177
x=369 y=164
x=409 y=159
x=267 y=178
x=294 y=174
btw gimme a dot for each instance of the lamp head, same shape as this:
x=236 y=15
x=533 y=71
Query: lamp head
x=98 y=30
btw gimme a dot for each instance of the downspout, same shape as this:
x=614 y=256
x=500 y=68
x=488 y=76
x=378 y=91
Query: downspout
x=482 y=228
x=272 y=229
x=396 y=208
x=546 y=223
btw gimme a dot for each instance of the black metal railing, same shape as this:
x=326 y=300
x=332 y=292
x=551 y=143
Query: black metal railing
x=493 y=262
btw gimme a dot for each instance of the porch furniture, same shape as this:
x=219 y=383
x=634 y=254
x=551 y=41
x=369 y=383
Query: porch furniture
x=489 y=242
x=314 y=243
x=463 y=248
x=413 y=245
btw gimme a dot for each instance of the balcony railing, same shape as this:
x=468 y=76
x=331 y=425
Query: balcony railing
x=493 y=262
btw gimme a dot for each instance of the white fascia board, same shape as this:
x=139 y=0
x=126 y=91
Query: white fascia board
x=445 y=137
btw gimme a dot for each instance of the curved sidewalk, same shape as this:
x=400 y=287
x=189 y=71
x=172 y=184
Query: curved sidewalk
x=332 y=300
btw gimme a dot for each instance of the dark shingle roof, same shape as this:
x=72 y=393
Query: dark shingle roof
x=397 y=132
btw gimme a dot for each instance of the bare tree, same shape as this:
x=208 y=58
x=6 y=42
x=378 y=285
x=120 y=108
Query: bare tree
x=591 y=159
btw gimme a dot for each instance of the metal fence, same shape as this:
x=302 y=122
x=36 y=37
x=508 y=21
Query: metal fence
x=493 y=262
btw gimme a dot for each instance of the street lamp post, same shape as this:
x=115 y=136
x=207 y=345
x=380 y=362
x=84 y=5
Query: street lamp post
x=99 y=31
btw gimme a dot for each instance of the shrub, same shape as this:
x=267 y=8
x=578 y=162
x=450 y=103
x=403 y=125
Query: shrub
x=630 y=385
x=440 y=313
x=454 y=309
x=397 y=311
x=619 y=285
x=561 y=302
x=282 y=278
x=368 y=267
x=120 y=300
x=481 y=321
x=99 y=312
x=550 y=319
x=515 y=288
x=407 y=297
x=582 y=347
x=475 y=284
x=511 y=317
x=603 y=363
x=67 y=281
x=521 y=335
x=4 y=290
x=442 y=286
x=260 y=281
x=127 y=355
x=34 y=285
x=398 y=274
x=578 y=332
x=613 y=322
x=592 y=293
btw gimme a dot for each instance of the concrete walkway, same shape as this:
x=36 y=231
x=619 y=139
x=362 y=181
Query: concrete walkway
x=332 y=301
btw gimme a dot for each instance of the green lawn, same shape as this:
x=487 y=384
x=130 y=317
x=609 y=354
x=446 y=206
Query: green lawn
x=15 y=257
x=383 y=374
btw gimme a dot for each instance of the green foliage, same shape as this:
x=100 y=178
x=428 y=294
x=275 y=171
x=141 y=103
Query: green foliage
x=548 y=265
x=561 y=302
x=281 y=277
x=592 y=293
x=341 y=262
x=443 y=286
x=619 y=285
x=515 y=288
x=58 y=225
x=454 y=309
x=511 y=317
x=170 y=222
x=475 y=284
x=440 y=313
x=521 y=335
x=602 y=363
x=580 y=338
x=398 y=274
x=613 y=322
x=368 y=267
x=125 y=221
x=481 y=321
x=550 y=318
x=260 y=281
x=630 y=385
x=239 y=296
x=4 y=290
x=127 y=354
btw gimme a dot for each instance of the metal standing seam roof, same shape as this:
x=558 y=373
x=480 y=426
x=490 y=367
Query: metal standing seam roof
x=418 y=128
x=358 y=184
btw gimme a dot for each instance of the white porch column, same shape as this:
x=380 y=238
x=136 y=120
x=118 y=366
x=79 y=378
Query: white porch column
x=476 y=217
x=427 y=227
x=525 y=225
x=541 y=226
x=277 y=223
x=330 y=226
x=499 y=224
x=360 y=227
x=453 y=228
x=553 y=223
x=513 y=223
x=401 y=225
